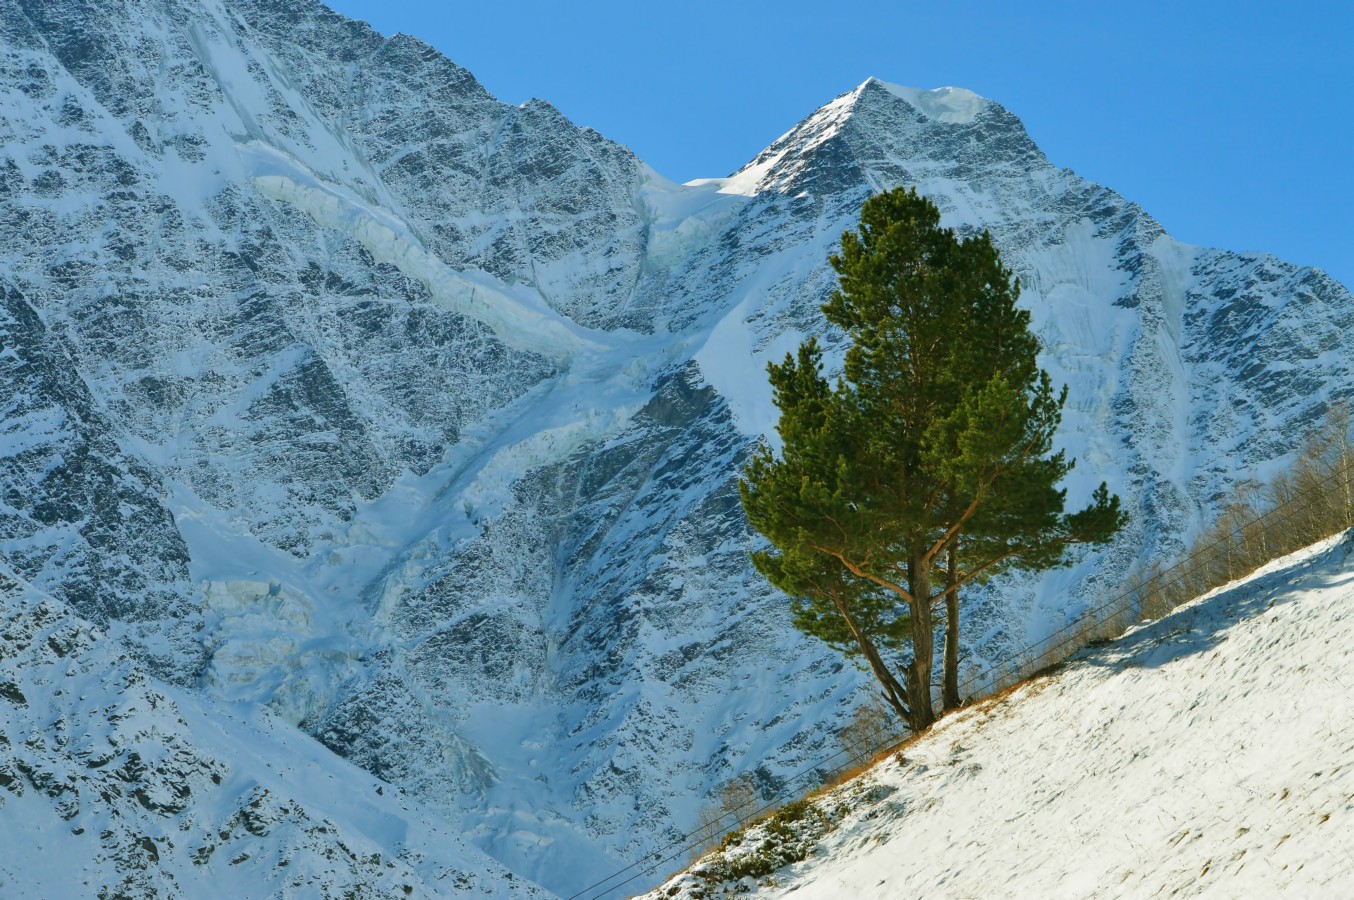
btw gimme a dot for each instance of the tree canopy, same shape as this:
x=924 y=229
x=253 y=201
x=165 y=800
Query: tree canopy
x=936 y=439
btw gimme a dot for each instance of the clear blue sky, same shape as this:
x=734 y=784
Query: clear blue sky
x=1231 y=122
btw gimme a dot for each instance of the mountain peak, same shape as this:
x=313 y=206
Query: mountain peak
x=950 y=105
x=902 y=123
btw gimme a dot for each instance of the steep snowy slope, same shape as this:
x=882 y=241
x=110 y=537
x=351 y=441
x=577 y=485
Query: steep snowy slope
x=335 y=385
x=1206 y=754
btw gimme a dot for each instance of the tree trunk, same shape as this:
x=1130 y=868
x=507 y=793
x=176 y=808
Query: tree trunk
x=893 y=692
x=923 y=641
x=950 y=692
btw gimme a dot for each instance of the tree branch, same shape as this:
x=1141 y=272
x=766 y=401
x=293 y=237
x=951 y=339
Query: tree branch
x=1028 y=548
x=958 y=524
x=861 y=573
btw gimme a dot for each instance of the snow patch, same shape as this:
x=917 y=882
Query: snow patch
x=951 y=105
x=516 y=317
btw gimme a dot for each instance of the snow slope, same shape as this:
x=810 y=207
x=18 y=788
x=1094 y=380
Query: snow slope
x=1210 y=753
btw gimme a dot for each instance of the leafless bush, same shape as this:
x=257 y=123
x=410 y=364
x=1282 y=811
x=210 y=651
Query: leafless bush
x=873 y=726
x=735 y=802
x=1311 y=500
x=710 y=824
x=739 y=797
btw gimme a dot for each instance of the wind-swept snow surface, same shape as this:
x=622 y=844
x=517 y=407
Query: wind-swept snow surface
x=1209 y=753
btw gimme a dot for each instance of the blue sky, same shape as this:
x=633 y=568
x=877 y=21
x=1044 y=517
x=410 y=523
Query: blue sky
x=1232 y=123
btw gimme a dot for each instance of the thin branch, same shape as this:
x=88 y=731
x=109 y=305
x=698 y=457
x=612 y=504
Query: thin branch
x=954 y=529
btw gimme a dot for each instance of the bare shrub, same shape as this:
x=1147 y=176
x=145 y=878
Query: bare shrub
x=1147 y=590
x=738 y=798
x=872 y=727
x=734 y=803
x=710 y=824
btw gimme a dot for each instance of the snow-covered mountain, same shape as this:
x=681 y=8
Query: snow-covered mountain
x=1205 y=754
x=117 y=784
x=333 y=385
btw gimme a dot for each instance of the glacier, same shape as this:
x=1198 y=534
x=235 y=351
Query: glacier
x=337 y=390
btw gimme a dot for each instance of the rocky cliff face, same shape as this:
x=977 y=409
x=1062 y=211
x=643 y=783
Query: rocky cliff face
x=334 y=385
x=114 y=785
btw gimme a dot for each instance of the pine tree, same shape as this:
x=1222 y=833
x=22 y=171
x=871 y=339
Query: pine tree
x=936 y=437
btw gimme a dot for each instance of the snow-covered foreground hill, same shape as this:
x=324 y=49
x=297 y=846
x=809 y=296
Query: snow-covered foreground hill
x=1208 y=753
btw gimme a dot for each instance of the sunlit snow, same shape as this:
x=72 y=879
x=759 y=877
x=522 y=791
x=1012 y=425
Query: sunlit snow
x=1209 y=753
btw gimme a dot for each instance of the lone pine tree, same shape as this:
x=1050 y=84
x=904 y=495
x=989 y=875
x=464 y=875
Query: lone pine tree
x=932 y=449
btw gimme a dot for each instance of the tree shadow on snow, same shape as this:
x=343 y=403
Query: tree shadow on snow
x=1202 y=625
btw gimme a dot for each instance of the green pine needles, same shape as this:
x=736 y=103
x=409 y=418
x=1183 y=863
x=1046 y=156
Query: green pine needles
x=927 y=466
